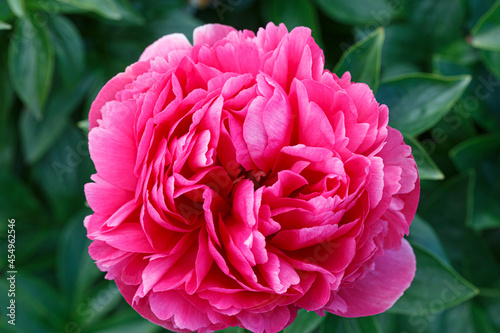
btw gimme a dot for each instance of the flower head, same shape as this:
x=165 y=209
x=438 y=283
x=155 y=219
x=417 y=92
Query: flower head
x=239 y=181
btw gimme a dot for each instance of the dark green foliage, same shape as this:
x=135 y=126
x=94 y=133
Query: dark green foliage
x=436 y=64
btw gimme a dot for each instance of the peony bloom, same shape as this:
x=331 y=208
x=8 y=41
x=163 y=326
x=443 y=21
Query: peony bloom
x=239 y=181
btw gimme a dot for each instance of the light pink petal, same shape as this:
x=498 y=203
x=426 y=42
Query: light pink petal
x=381 y=287
x=272 y=321
x=110 y=89
x=112 y=145
x=183 y=314
x=105 y=198
x=314 y=129
x=210 y=33
x=267 y=127
x=163 y=46
x=127 y=237
x=397 y=153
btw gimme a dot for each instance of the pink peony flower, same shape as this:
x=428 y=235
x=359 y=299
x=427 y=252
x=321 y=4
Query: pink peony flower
x=239 y=181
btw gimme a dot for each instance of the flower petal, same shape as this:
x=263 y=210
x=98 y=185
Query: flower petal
x=211 y=33
x=381 y=287
x=163 y=46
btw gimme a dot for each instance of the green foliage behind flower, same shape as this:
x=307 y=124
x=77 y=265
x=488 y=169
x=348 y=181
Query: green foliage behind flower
x=436 y=64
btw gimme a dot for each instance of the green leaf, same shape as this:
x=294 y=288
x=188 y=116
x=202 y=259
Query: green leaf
x=69 y=48
x=427 y=169
x=448 y=66
x=361 y=325
x=72 y=257
x=421 y=233
x=357 y=12
x=362 y=60
x=481 y=320
x=485 y=35
x=418 y=101
x=53 y=7
x=492 y=61
x=436 y=287
x=5 y=26
x=62 y=173
x=460 y=52
x=471 y=153
x=293 y=13
x=17 y=7
x=125 y=321
x=17 y=200
x=8 y=131
x=5 y=12
x=93 y=313
x=31 y=64
x=447 y=209
x=437 y=21
x=481 y=154
x=350 y=325
x=110 y=9
x=306 y=322
x=492 y=308
x=6 y=92
x=39 y=299
x=38 y=136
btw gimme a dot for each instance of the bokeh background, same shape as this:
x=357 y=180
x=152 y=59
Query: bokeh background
x=436 y=64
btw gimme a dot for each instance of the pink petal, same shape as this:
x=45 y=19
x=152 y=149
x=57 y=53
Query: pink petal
x=112 y=145
x=210 y=33
x=110 y=89
x=381 y=287
x=183 y=314
x=267 y=127
x=269 y=322
x=163 y=46
x=127 y=237
x=105 y=198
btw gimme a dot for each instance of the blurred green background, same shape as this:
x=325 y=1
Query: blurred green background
x=436 y=64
